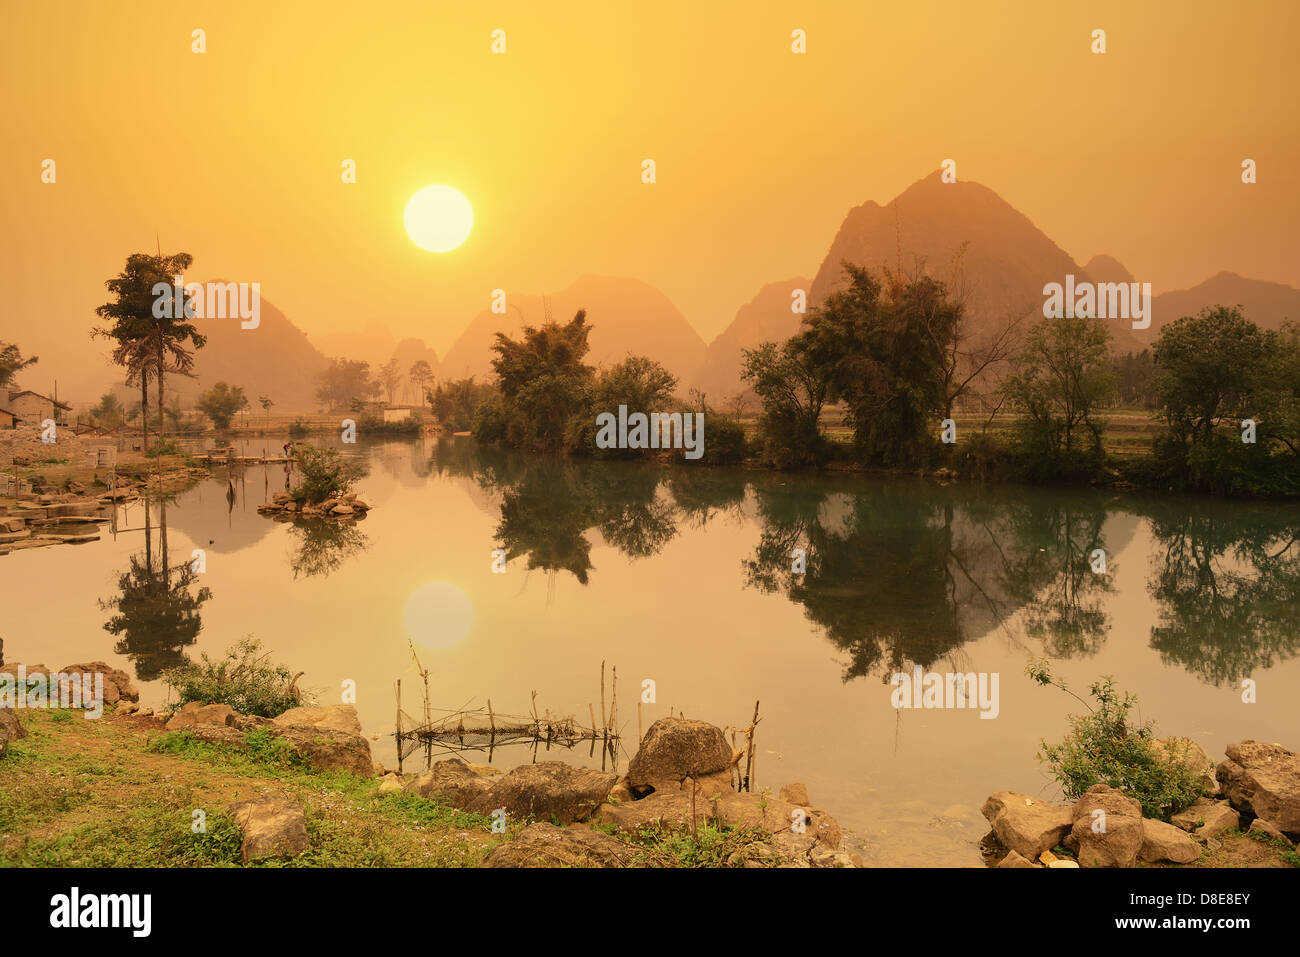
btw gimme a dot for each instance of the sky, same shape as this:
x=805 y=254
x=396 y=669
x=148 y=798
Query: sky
x=234 y=154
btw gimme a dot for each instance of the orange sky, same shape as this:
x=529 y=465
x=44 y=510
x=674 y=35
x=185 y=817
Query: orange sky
x=234 y=155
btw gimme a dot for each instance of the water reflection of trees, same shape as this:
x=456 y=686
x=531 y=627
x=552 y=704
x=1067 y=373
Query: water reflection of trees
x=899 y=575
x=320 y=546
x=1227 y=578
x=157 y=615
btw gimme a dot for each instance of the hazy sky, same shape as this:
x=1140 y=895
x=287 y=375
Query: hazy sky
x=234 y=155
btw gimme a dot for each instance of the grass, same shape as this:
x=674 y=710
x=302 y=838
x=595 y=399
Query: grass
x=110 y=793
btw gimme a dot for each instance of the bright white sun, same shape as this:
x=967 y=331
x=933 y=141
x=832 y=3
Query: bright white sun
x=438 y=218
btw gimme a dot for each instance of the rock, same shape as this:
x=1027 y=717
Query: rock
x=247 y=722
x=451 y=781
x=359 y=506
x=11 y=728
x=1164 y=842
x=328 y=749
x=796 y=794
x=1261 y=826
x=341 y=510
x=1112 y=841
x=1191 y=755
x=1015 y=859
x=117 y=683
x=485 y=770
x=1025 y=824
x=390 y=784
x=1263 y=780
x=340 y=717
x=217 y=734
x=195 y=713
x=672 y=810
x=620 y=792
x=1218 y=817
x=545 y=845
x=549 y=789
x=272 y=828
x=280 y=498
x=705 y=785
x=674 y=748
x=1200 y=812
x=1062 y=862
x=129 y=707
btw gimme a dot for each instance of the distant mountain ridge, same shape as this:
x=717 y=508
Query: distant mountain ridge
x=626 y=316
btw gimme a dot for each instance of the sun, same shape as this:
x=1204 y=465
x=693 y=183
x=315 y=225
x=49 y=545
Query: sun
x=438 y=218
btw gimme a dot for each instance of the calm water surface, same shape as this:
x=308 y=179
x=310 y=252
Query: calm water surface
x=685 y=576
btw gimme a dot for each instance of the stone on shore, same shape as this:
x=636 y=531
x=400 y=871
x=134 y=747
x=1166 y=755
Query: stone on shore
x=550 y=789
x=545 y=845
x=272 y=827
x=1112 y=838
x=1164 y=842
x=1015 y=859
x=340 y=717
x=1025 y=824
x=1261 y=826
x=1263 y=780
x=117 y=683
x=674 y=749
x=195 y=713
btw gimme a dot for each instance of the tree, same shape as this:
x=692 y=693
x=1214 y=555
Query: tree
x=391 y=377
x=11 y=363
x=456 y=402
x=343 y=381
x=1063 y=379
x=543 y=383
x=150 y=327
x=420 y=373
x=221 y=402
x=266 y=402
x=109 y=412
x=792 y=388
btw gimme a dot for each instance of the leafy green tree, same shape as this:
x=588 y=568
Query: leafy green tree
x=345 y=381
x=266 y=402
x=326 y=473
x=456 y=402
x=1064 y=378
x=151 y=329
x=793 y=389
x=420 y=373
x=221 y=402
x=544 y=384
x=637 y=382
x=11 y=363
x=109 y=412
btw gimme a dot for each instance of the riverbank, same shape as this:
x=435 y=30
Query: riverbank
x=124 y=791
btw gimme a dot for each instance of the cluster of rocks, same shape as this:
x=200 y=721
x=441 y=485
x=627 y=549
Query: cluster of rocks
x=680 y=778
x=118 y=690
x=1256 y=788
x=342 y=507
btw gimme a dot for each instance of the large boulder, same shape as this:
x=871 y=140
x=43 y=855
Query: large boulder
x=1026 y=825
x=1114 y=837
x=1206 y=818
x=272 y=827
x=340 y=717
x=1192 y=756
x=11 y=728
x=672 y=810
x=674 y=749
x=117 y=683
x=327 y=749
x=1164 y=842
x=549 y=790
x=1263 y=780
x=195 y=713
x=545 y=845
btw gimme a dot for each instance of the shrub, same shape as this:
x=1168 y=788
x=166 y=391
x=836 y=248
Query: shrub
x=241 y=679
x=1106 y=747
x=326 y=473
x=724 y=441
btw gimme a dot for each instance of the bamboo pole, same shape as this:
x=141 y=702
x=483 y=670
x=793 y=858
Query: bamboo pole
x=399 y=726
x=749 y=758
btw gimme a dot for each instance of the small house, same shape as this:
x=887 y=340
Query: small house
x=34 y=408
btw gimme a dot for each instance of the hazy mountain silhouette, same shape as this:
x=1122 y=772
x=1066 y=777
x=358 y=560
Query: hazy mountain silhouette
x=765 y=318
x=1105 y=268
x=1265 y=303
x=275 y=359
x=374 y=344
x=625 y=315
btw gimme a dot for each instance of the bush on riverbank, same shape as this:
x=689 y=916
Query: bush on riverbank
x=241 y=679
x=326 y=473
x=1106 y=747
